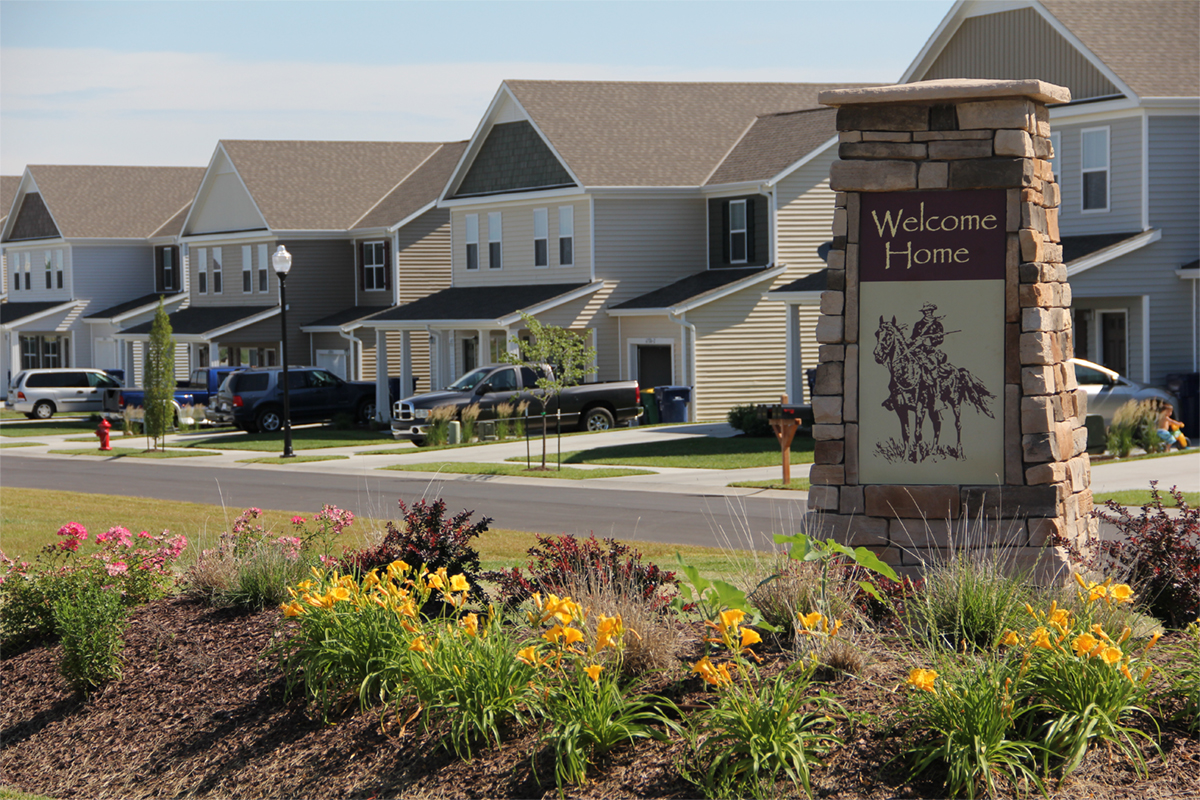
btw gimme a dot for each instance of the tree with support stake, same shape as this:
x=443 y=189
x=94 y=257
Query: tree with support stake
x=159 y=412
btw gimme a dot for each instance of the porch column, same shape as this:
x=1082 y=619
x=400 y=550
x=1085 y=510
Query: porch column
x=483 y=350
x=512 y=342
x=406 y=370
x=383 y=409
x=795 y=365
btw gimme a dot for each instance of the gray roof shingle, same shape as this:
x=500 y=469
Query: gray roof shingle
x=8 y=190
x=130 y=305
x=417 y=190
x=476 y=302
x=12 y=312
x=774 y=142
x=710 y=280
x=198 y=320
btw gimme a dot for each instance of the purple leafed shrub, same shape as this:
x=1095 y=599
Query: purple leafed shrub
x=426 y=537
x=1158 y=554
x=565 y=561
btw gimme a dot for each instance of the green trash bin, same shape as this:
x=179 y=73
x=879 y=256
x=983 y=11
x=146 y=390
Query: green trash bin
x=649 y=407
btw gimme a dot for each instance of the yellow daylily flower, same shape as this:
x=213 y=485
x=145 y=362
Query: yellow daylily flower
x=1121 y=593
x=1011 y=639
x=923 y=679
x=1084 y=644
x=1041 y=638
x=731 y=618
x=418 y=644
x=1099 y=631
x=1124 y=634
x=594 y=672
x=749 y=637
x=1061 y=619
x=458 y=583
x=471 y=624
x=293 y=609
x=810 y=621
x=572 y=635
x=1111 y=655
x=434 y=581
x=528 y=655
x=1153 y=640
x=339 y=594
x=554 y=634
x=1125 y=672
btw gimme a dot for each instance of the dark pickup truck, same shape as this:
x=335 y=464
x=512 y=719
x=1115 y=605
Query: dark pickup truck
x=191 y=397
x=588 y=406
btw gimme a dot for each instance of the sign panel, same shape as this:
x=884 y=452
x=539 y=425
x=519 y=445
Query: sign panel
x=931 y=337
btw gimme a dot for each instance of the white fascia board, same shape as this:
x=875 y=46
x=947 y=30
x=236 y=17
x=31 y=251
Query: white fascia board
x=1092 y=58
x=1172 y=105
x=166 y=221
x=406 y=324
x=734 y=189
x=553 y=302
x=637 y=312
x=816 y=151
x=240 y=237
x=768 y=274
x=511 y=197
x=21 y=245
x=1115 y=251
x=1120 y=108
x=320 y=328
x=1192 y=274
x=643 y=192
x=8 y=326
x=423 y=209
x=399 y=183
x=795 y=298
x=217 y=333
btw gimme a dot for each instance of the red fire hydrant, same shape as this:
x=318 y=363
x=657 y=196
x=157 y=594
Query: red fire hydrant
x=102 y=431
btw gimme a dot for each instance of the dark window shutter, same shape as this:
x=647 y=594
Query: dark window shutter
x=751 y=224
x=176 y=270
x=725 y=232
x=158 y=269
x=362 y=265
x=387 y=264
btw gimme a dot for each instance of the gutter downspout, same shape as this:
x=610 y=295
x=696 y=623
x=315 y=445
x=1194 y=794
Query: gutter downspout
x=354 y=367
x=689 y=357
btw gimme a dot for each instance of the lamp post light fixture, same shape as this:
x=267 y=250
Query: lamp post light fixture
x=282 y=262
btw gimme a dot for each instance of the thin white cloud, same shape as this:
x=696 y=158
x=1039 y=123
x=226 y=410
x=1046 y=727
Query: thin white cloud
x=74 y=106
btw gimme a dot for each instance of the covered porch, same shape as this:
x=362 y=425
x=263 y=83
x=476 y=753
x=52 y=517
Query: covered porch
x=205 y=332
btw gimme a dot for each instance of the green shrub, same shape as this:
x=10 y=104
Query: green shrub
x=90 y=622
x=1134 y=423
x=747 y=420
x=1184 y=679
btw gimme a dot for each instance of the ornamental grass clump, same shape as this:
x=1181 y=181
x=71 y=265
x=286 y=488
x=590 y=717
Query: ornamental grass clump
x=758 y=729
x=438 y=430
x=503 y=422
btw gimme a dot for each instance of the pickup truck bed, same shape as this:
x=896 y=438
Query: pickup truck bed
x=198 y=391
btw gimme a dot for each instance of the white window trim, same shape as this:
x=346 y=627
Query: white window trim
x=631 y=346
x=380 y=269
x=168 y=273
x=541 y=233
x=49 y=269
x=1098 y=336
x=744 y=230
x=496 y=236
x=264 y=274
x=1107 y=169
x=201 y=270
x=29 y=272
x=1056 y=159
x=217 y=273
x=566 y=214
x=471 y=237
x=247 y=269
x=59 y=281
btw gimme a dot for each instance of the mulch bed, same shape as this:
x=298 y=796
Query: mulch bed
x=199 y=713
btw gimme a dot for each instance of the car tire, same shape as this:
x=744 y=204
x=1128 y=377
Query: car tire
x=366 y=412
x=418 y=442
x=597 y=419
x=269 y=420
x=42 y=409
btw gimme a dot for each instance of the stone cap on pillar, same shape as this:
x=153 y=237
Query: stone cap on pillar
x=947 y=90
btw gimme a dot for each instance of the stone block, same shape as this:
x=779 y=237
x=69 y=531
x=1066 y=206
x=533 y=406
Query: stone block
x=1066 y=378
x=1085 y=503
x=1043 y=128
x=872 y=176
x=1039 y=448
x=886 y=136
x=905 y=151
x=912 y=502
x=853 y=205
x=1040 y=348
x=1031 y=195
x=1014 y=463
x=1038 y=380
x=1080 y=472
x=839 y=222
x=839 y=199
x=1044 y=295
x=956 y=149
x=1051 y=195
x=851 y=501
x=830 y=330
x=828 y=378
x=827 y=474
x=854 y=531
x=1081 y=400
x=827 y=409
x=836 y=259
x=850 y=385
x=1009 y=502
x=990 y=173
x=1037 y=414
x=1033 y=216
x=850 y=334
x=831 y=352
x=945 y=136
x=942 y=117
x=1010 y=142
x=1042 y=530
x=1045 y=319
x=1079 y=439
x=832 y=302
x=1032 y=246
x=823 y=498
x=851 y=455
x=835 y=278
x=1012 y=216
x=1012 y=291
x=1051 y=217
x=829 y=452
x=828 y=432
x=933 y=175
x=1051 y=472
x=1052 y=253
x=1012 y=352
x=918 y=534
x=850 y=136
x=1016 y=112
x=1065 y=295
x=883 y=117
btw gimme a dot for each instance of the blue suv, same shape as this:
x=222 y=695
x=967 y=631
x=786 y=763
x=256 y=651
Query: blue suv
x=253 y=398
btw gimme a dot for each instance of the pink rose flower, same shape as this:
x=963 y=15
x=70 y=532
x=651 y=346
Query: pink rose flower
x=74 y=530
x=116 y=568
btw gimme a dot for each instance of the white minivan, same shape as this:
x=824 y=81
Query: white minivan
x=42 y=393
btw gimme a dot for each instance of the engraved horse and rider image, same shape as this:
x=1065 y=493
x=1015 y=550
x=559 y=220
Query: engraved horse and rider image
x=924 y=385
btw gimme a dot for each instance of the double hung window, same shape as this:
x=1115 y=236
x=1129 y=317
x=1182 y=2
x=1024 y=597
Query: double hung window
x=216 y=270
x=1095 y=169
x=566 y=236
x=374 y=255
x=737 y=232
x=472 y=238
x=168 y=269
x=28 y=271
x=49 y=271
x=263 y=281
x=247 y=269
x=495 y=241
x=202 y=270
x=541 y=238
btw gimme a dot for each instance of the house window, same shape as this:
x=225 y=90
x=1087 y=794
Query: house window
x=202 y=271
x=28 y=272
x=472 y=221
x=541 y=238
x=247 y=269
x=43 y=352
x=168 y=269
x=374 y=266
x=737 y=232
x=58 y=267
x=216 y=270
x=49 y=271
x=566 y=236
x=1055 y=149
x=495 y=240
x=31 y=348
x=1095 y=169
x=263 y=281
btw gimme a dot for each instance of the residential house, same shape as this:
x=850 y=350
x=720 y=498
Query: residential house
x=8 y=191
x=308 y=197
x=81 y=241
x=1127 y=157
x=650 y=217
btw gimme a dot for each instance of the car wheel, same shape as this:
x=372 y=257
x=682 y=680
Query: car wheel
x=269 y=420
x=418 y=442
x=43 y=409
x=597 y=419
x=366 y=412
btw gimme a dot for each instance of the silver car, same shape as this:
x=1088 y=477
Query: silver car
x=1107 y=390
x=42 y=393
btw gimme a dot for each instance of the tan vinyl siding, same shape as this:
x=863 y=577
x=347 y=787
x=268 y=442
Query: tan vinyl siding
x=517 y=231
x=805 y=217
x=231 y=275
x=420 y=357
x=648 y=244
x=663 y=332
x=1033 y=49
x=424 y=255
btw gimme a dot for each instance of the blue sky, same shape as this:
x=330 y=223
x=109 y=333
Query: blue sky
x=158 y=83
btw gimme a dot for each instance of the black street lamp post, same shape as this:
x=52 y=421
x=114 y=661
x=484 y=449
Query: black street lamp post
x=282 y=262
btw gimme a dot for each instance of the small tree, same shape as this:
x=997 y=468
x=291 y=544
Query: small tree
x=160 y=378
x=570 y=358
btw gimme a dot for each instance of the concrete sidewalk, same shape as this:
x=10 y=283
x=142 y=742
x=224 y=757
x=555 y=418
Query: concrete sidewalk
x=1181 y=470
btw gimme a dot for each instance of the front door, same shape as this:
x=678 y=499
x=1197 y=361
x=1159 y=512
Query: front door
x=1114 y=341
x=654 y=366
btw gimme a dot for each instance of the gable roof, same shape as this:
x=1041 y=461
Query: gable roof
x=774 y=142
x=114 y=202
x=417 y=190
x=12 y=314
x=696 y=290
x=8 y=190
x=482 y=303
x=319 y=186
x=1152 y=45
x=144 y=303
x=652 y=134
x=197 y=321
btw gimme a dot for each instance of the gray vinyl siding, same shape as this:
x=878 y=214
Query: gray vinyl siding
x=1120 y=283
x=424 y=255
x=1124 y=178
x=516 y=227
x=1032 y=49
x=110 y=275
x=231 y=272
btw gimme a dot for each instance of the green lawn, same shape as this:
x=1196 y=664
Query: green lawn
x=797 y=485
x=1139 y=497
x=701 y=452
x=21 y=444
x=472 y=468
x=135 y=452
x=281 y=461
x=302 y=439
x=46 y=428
